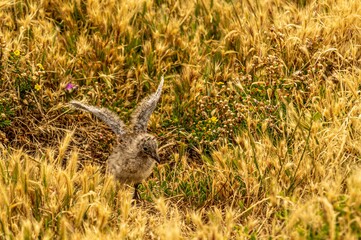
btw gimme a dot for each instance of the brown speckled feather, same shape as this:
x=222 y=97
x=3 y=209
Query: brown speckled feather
x=141 y=114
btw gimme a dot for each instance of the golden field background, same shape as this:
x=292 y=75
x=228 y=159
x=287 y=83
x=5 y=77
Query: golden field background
x=259 y=122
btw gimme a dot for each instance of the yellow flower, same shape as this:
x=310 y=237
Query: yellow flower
x=40 y=66
x=17 y=53
x=37 y=87
x=213 y=119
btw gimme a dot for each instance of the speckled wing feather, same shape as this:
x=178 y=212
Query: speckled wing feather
x=107 y=116
x=141 y=115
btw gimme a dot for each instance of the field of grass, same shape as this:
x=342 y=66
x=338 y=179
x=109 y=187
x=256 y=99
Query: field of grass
x=259 y=124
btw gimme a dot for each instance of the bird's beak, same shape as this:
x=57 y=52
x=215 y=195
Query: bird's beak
x=156 y=157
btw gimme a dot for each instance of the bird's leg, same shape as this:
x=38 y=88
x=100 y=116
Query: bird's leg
x=136 y=194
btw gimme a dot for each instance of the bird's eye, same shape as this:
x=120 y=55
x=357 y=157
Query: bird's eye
x=145 y=149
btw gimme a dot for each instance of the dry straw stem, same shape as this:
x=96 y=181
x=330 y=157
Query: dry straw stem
x=259 y=124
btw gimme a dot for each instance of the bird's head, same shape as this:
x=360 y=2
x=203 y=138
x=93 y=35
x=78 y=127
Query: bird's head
x=147 y=146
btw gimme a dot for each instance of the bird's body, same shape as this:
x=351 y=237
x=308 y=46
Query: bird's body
x=128 y=164
x=133 y=159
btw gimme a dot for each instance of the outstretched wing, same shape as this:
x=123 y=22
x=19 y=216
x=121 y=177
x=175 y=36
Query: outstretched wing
x=107 y=116
x=141 y=115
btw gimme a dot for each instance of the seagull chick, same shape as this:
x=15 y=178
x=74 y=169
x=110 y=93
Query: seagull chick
x=132 y=160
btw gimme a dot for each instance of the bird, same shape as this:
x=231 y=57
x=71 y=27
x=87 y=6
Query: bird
x=136 y=152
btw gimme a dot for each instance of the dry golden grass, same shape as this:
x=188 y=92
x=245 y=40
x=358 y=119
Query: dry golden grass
x=259 y=124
